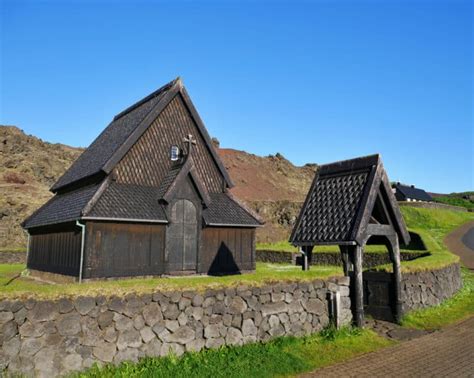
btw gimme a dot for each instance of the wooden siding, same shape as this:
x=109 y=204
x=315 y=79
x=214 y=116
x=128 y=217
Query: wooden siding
x=227 y=250
x=123 y=249
x=147 y=162
x=56 y=249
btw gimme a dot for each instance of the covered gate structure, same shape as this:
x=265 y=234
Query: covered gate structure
x=351 y=204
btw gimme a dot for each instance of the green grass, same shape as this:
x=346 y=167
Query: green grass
x=431 y=224
x=457 y=308
x=13 y=249
x=265 y=273
x=281 y=357
x=456 y=201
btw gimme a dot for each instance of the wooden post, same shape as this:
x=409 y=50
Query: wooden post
x=358 y=296
x=306 y=252
x=394 y=250
x=346 y=263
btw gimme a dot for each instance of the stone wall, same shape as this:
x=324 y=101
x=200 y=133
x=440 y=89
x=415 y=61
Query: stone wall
x=46 y=338
x=430 y=288
x=12 y=257
x=332 y=258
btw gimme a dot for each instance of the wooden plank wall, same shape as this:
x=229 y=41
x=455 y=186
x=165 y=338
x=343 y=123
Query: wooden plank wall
x=147 y=162
x=124 y=249
x=226 y=250
x=56 y=250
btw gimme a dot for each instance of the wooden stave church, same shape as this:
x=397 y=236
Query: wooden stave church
x=114 y=212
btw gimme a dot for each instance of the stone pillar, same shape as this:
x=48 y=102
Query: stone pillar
x=394 y=250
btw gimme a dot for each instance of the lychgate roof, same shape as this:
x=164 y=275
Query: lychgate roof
x=341 y=201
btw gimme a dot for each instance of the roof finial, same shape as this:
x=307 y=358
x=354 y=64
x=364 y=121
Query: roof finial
x=190 y=141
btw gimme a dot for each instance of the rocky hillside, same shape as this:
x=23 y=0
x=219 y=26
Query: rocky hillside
x=28 y=167
x=271 y=185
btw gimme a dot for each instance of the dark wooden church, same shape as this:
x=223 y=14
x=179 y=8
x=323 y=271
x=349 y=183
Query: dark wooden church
x=150 y=196
x=351 y=204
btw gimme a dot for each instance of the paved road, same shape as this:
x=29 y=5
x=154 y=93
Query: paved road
x=468 y=239
x=446 y=353
x=461 y=242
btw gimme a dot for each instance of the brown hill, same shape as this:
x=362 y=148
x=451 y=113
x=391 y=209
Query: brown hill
x=28 y=167
x=271 y=185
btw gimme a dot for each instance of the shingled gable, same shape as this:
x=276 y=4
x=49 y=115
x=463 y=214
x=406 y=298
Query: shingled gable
x=175 y=178
x=81 y=193
x=113 y=143
x=343 y=199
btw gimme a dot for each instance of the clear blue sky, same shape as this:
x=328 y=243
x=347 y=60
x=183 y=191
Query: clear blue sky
x=316 y=81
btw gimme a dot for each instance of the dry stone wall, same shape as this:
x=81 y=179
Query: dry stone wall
x=46 y=338
x=430 y=288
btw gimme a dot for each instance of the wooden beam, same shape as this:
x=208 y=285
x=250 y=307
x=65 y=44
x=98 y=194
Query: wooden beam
x=394 y=250
x=358 y=286
x=346 y=263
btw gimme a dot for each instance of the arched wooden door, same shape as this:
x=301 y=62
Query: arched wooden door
x=182 y=237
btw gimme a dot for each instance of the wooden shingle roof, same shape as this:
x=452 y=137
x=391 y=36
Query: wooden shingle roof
x=341 y=200
x=125 y=129
x=88 y=190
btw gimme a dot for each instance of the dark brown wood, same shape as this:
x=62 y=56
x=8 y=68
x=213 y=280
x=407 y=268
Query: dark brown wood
x=349 y=165
x=227 y=250
x=366 y=205
x=346 y=262
x=358 y=286
x=55 y=249
x=394 y=251
x=123 y=249
x=181 y=236
x=147 y=161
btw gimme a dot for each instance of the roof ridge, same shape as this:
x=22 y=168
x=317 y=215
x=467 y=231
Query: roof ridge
x=148 y=98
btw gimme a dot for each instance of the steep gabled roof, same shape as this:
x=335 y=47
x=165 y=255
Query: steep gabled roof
x=413 y=193
x=175 y=178
x=125 y=129
x=341 y=202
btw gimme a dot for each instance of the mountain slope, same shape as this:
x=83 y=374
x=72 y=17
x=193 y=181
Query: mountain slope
x=271 y=185
x=28 y=167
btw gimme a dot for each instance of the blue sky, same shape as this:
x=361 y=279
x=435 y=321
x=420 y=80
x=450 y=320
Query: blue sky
x=317 y=81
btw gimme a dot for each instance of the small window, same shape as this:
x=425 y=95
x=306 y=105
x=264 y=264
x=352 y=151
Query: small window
x=174 y=153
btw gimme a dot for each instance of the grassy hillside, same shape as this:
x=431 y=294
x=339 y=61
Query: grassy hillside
x=465 y=199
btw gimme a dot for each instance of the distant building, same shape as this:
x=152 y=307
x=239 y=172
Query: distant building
x=410 y=193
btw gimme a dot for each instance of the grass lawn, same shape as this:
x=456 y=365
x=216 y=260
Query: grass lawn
x=431 y=224
x=455 y=309
x=265 y=273
x=281 y=357
x=13 y=249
